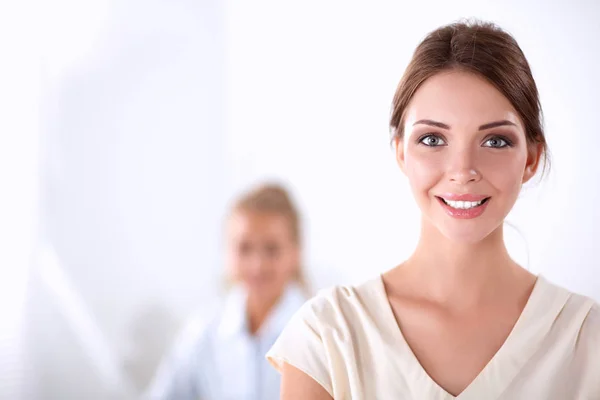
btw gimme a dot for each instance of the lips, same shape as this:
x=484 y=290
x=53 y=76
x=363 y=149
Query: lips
x=464 y=206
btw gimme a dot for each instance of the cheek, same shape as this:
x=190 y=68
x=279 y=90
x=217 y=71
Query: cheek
x=235 y=262
x=234 y=265
x=289 y=264
x=505 y=173
x=423 y=172
x=284 y=264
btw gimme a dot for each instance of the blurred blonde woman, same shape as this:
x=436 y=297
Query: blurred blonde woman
x=225 y=359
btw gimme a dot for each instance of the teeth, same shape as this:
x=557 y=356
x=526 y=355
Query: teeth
x=463 y=205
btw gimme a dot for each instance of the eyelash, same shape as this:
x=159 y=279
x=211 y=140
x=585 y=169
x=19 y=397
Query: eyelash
x=508 y=142
x=428 y=135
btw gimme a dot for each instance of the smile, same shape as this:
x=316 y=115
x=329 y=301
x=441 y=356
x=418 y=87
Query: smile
x=464 y=205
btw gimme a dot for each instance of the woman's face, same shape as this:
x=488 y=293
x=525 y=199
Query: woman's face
x=465 y=154
x=261 y=252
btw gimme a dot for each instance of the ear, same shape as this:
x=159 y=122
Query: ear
x=534 y=155
x=399 y=152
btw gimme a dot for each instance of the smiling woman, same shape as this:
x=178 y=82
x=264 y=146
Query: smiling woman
x=459 y=318
x=461 y=139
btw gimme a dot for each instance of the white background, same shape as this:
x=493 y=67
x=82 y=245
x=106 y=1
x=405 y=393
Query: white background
x=155 y=114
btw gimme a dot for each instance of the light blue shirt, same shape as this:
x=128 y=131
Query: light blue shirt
x=221 y=360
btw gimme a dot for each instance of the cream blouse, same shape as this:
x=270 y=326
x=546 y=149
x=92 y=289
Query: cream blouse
x=348 y=341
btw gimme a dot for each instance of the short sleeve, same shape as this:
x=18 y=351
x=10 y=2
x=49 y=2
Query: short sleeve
x=301 y=345
x=587 y=352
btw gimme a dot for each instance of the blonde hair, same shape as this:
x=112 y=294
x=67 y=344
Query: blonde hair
x=274 y=199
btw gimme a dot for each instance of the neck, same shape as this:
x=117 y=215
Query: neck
x=461 y=274
x=258 y=308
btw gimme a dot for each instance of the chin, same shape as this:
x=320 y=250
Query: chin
x=464 y=238
x=467 y=234
x=262 y=289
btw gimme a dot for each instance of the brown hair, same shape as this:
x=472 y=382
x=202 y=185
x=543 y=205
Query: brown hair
x=481 y=48
x=274 y=199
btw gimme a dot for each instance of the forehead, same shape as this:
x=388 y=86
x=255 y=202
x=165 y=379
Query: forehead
x=244 y=223
x=459 y=98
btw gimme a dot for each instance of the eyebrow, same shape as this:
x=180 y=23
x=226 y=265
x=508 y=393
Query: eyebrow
x=483 y=127
x=496 y=124
x=432 y=123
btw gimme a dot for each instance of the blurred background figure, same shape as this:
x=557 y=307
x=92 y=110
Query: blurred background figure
x=224 y=358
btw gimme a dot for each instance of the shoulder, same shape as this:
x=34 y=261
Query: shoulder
x=582 y=314
x=202 y=328
x=340 y=306
x=320 y=338
x=593 y=319
x=582 y=309
x=175 y=376
x=195 y=334
x=346 y=298
x=585 y=342
x=590 y=328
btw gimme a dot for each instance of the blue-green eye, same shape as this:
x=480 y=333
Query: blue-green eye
x=496 y=143
x=432 y=141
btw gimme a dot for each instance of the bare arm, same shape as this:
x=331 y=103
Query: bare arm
x=296 y=385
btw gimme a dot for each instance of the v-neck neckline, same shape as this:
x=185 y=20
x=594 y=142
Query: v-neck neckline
x=543 y=305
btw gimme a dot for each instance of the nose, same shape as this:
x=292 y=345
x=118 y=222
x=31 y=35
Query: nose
x=257 y=263
x=462 y=169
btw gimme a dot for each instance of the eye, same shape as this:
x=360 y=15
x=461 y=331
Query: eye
x=272 y=250
x=432 y=141
x=496 y=142
x=244 y=249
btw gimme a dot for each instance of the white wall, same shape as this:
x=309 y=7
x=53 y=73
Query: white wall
x=19 y=190
x=133 y=178
x=155 y=114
